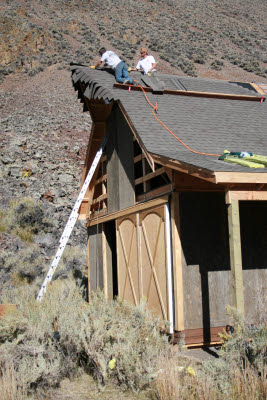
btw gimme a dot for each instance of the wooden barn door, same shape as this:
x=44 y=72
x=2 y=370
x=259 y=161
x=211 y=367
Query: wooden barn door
x=153 y=261
x=127 y=260
x=143 y=260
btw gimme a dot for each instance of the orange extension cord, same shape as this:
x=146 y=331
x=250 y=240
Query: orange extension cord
x=155 y=108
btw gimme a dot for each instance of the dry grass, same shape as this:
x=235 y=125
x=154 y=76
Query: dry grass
x=249 y=385
x=84 y=387
x=178 y=379
x=175 y=383
x=10 y=387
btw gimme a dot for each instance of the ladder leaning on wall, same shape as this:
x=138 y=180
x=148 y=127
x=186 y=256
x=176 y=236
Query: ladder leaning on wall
x=71 y=221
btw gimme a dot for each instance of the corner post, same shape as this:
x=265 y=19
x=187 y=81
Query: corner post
x=235 y=256
x=177 y=263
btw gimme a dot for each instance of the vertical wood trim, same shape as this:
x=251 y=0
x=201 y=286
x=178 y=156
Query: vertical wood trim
x=118 y=257
x=169 y=266
x=89 y=280
x=235 y=256
x=105 y=273
x=139 y=256
x=177 y=263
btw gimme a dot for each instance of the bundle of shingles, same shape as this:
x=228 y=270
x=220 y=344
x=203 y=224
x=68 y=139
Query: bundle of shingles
x=244 y=158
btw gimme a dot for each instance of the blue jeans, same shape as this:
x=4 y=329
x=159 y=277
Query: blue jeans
x=121 y=73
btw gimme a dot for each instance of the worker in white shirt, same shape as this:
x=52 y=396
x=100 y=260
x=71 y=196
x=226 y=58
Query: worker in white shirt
x=147 y=63
x=113 y=61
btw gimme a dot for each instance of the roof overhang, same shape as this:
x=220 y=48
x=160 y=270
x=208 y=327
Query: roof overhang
x=212 y=176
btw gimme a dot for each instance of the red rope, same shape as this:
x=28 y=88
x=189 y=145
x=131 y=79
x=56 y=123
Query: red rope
x=155 y=108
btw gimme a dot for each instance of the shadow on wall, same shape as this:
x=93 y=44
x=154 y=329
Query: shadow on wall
x=205 y=243
x=204 y=236
x=253 y=227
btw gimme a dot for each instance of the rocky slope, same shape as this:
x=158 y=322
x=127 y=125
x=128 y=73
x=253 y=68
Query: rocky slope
x=191 y=36
x=44 y=136
x=44 y=132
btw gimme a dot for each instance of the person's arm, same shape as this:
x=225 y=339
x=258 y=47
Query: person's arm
x=152 y=66
x=98 y=64
x=137 y=68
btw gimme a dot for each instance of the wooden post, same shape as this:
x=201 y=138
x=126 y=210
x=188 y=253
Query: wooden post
x=177 y=263
x=235 y=256
x=105 y=272
x=89 y=275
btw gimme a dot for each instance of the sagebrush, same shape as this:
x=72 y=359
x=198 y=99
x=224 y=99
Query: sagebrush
x=110 y=339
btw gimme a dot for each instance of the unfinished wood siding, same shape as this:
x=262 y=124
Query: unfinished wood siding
x=95 y=257
x=253 y=227
x=206 y=266
x=120 y=166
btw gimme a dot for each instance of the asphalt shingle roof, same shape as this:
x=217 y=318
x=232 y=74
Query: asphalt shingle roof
x=204 y=124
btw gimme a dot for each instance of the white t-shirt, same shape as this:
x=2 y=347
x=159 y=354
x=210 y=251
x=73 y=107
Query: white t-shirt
x=146 y=64
x=110 y=58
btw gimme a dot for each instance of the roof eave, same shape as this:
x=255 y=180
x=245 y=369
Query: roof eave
x=217 y=177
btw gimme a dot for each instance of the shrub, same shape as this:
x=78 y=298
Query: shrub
x=25 y=218
x=24 y=265
x=110 y=338
x=239 y=373
x=247 y=344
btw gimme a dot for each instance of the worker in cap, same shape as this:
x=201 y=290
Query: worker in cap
x=146 y=63
x=113 y=61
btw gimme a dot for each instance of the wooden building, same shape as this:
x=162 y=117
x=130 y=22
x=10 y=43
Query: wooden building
x=183 y=229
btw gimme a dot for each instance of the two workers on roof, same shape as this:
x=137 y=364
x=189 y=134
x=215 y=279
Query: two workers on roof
x=147 y=64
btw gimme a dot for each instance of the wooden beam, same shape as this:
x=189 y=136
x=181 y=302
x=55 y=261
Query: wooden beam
x=128 y=211
x=149 y=176
x=138 y=158
x=185 y=168
x=177 y=263
x=96 y=214
x=247 y=195
x=235 y=256
x=192 y=93
x=155 y=193
x=102 y=179
x=100 y=198
x=258 y=88
x=240 y=177
x=170 y=173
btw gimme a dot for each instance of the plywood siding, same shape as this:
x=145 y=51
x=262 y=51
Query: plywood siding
x=120 y=166
x=95 y=258
x=206 y=267
x=253 y=226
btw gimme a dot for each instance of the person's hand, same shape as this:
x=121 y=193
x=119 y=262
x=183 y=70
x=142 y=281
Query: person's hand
x=149 y=73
